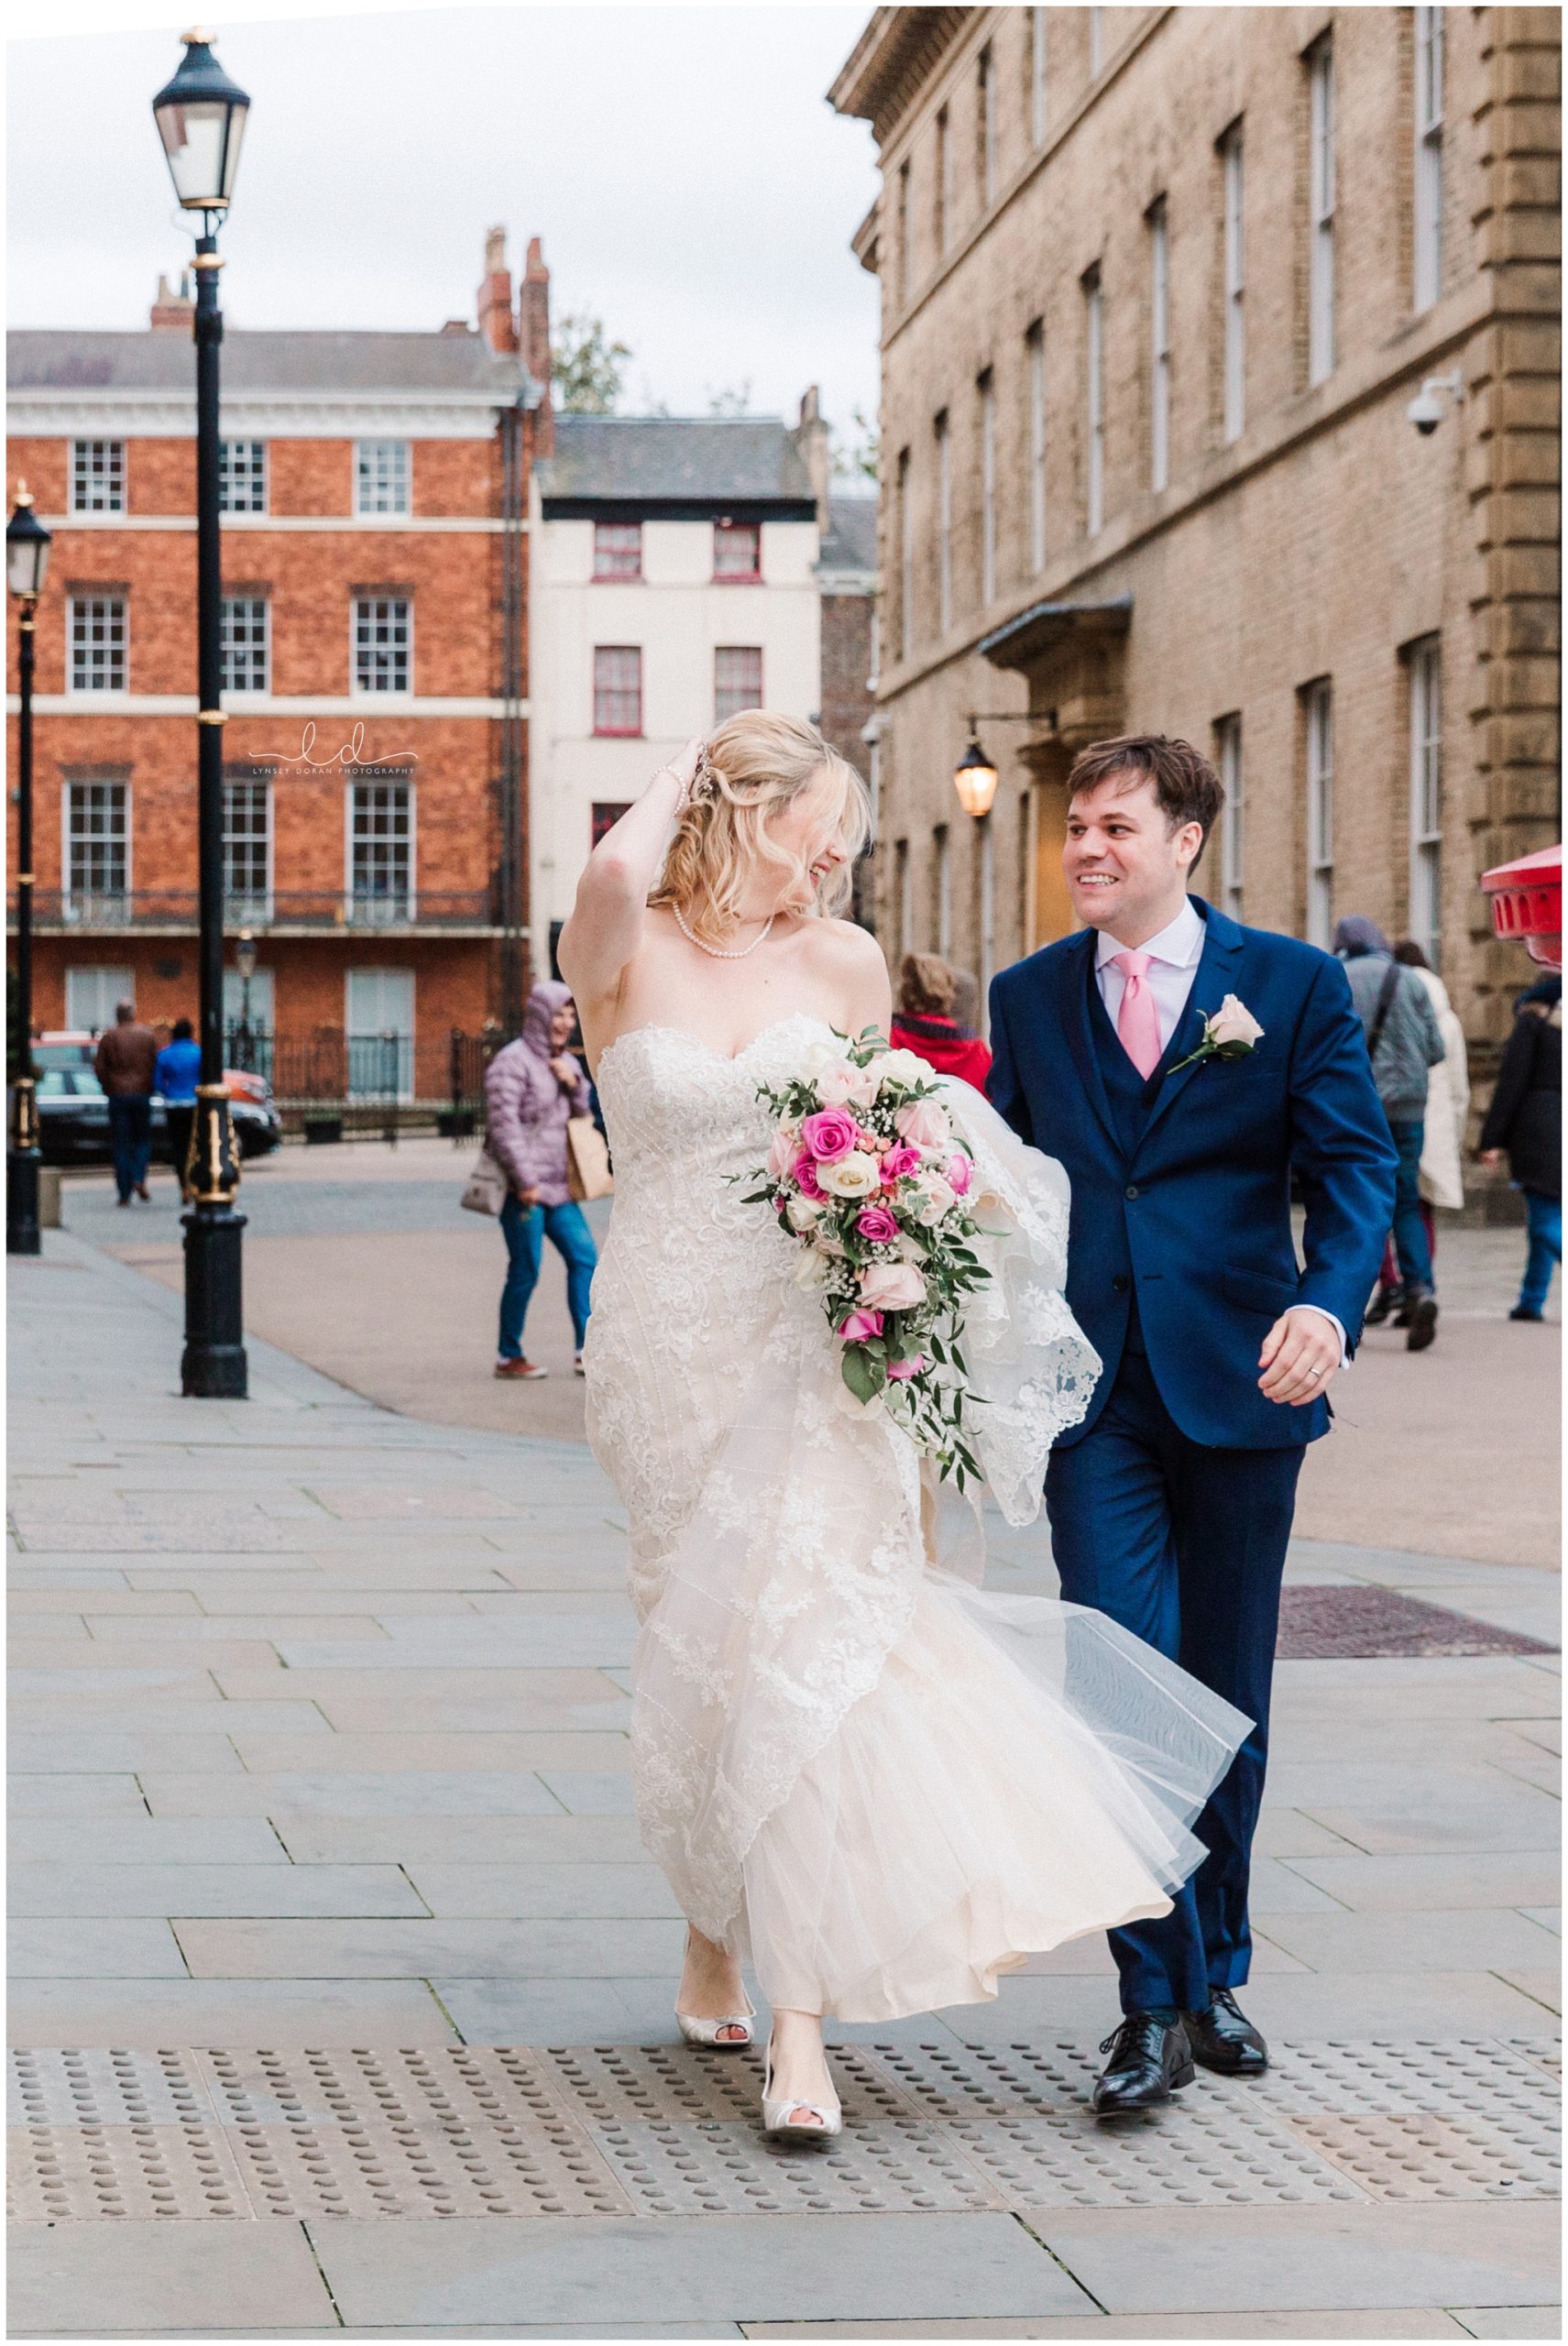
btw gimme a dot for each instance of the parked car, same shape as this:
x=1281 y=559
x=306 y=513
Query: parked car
x=73 y=1113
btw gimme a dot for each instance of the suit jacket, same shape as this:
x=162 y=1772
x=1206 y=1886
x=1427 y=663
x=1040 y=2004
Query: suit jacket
x=1195 y=1207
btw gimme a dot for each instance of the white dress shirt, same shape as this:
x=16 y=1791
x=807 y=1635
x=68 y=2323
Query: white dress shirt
x=1174 y=954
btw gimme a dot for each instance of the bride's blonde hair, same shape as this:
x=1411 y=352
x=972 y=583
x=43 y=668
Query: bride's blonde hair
x=753 y=766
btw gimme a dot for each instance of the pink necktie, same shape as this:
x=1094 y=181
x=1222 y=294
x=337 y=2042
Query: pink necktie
x=1137 y=1021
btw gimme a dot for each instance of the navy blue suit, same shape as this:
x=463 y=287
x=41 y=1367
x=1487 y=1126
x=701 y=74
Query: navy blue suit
x=1170 y=1504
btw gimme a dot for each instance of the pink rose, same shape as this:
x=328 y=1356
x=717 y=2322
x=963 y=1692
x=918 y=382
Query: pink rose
x=831 y=1132
x=899 y=1161
x=960 y=1173
x=891 y=1286
x=804 y=1172
x=860 y=1326
x=781 y=1156
x=898 y=1369
x=876 y=1226
x=924 y=1125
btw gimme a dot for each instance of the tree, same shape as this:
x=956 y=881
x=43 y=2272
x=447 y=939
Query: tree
x=861 y=458
x=736 y=402
x=588 y=371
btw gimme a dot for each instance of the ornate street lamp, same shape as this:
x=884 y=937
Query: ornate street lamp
x=27 y=561
x=201 y=116
x=974 y=777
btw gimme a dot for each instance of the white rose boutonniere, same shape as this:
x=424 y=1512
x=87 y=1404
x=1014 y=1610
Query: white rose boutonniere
x=1229 y=1033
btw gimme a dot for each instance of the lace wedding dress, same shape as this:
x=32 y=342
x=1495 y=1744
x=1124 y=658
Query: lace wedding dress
x=881 y=1785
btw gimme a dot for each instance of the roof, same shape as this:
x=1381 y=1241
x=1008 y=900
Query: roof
x=848 y=542
x=163 y=358
x=702 y=464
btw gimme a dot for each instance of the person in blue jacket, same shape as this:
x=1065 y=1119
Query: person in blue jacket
x=175 y=1074
x=1180 y=1067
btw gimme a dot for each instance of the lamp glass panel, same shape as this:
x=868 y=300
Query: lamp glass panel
x=26 y=559
x=202 y=141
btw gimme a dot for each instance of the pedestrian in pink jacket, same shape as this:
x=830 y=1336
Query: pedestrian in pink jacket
x=531 y=1088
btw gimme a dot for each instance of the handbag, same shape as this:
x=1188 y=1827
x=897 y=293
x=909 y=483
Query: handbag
x=486 y=1187
x=588 y=1160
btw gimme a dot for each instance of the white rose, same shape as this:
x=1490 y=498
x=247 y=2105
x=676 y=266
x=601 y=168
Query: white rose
x=812 y=1270
x=802 y=1214
x=903 y=1068
x=1234 y=1023
x=817 y=1056
x=855 y=1176
x=843 y=1083
x=939 y=1195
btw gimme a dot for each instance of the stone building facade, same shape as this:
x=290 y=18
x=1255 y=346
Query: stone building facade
x=375 y=578
x=1160 y=286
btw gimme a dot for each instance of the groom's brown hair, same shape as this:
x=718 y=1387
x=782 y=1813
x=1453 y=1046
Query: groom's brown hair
x=1186 y=786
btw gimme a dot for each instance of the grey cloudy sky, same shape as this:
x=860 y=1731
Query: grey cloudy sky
x=690 y=182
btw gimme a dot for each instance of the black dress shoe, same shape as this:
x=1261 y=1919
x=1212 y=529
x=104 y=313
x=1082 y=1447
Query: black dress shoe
x=1150 y=2060
x=1223 y=2038
x=1387 y=1301
x=1420 y=1318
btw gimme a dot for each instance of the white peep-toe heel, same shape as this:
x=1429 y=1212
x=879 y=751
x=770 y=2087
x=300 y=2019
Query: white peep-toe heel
x=705 y=2032
x=776 y=2119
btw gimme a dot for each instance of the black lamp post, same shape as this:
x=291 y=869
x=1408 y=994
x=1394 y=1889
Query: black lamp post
x=201 y=117
x=26 y=560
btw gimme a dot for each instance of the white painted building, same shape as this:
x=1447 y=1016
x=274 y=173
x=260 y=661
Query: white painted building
x=672 y=582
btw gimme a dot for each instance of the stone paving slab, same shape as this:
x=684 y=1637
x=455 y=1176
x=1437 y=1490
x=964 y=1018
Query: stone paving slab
x=1199 y=2260
x=699 y=2268
x=104 y=2282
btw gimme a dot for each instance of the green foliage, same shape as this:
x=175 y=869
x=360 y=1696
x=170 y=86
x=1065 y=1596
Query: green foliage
x=587 y=369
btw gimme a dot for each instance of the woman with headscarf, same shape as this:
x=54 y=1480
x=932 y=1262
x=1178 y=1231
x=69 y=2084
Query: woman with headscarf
x=1404 y=1042
x=1442 y=1144
x=532 y=1089
x=1526 y=1119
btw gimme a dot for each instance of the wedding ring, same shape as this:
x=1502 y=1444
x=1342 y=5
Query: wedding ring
x=1314 y=1372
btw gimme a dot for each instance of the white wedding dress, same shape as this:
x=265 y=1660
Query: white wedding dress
x=879 y=1784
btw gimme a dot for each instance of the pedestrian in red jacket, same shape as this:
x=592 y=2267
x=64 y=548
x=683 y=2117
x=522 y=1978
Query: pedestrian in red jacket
x=924 y=1022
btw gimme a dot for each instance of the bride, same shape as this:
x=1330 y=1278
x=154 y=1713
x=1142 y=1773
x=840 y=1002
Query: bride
x=878 y=1786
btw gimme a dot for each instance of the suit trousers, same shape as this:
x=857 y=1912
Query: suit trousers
x=130 y=1139
x=1183 y=1545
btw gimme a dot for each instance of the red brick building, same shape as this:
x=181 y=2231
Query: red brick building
x=375 y=580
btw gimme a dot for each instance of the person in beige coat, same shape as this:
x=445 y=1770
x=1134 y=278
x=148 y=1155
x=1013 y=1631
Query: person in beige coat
x=1443 y=1150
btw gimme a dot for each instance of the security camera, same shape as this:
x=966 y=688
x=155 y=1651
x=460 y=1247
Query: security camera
x=1426 y=409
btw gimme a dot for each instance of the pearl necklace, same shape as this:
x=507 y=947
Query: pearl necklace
x=724 y=952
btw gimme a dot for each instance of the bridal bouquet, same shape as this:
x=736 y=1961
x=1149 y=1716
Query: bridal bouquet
x=867 y=1172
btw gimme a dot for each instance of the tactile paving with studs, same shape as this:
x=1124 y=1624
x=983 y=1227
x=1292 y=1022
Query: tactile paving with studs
x=658 y=2131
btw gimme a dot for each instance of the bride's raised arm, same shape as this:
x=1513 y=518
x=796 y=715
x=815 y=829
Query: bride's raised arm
x=605 y=928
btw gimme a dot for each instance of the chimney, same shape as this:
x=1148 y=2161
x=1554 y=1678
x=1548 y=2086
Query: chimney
x=811 y=439
x=496 y=322
x=174 y=309
x=534 y=320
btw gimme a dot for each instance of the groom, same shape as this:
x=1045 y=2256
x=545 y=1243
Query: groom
x=1170 y=1504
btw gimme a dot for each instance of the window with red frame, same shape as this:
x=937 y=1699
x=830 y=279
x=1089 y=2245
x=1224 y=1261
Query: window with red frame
x=737 y=551
x=737 y=680
x=618 y=549
x=618 y=688
x=606 y=814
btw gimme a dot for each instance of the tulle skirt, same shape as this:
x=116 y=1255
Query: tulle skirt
x=1023 y=1772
